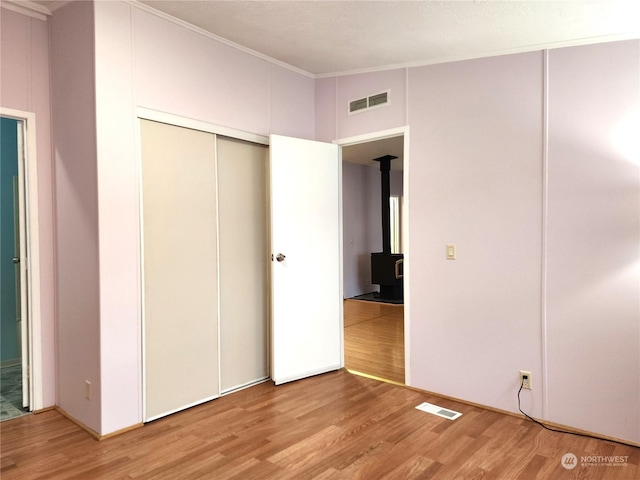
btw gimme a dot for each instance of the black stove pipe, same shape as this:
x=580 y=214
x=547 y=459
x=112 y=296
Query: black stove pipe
x=385 y=188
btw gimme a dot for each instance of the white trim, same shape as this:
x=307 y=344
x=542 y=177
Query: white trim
x=406 y=265
x=341 y=253
x=143 y=344
x=216 y=182
x=194 y=124
x=22 y=294
x=406 y=96
x=30 y=9
x=34 y=316
x=367 y=137
x=544 y=233
x=381 y=135
x=487 y=54
x=336 y=107
x=217 y=38
x=244 y=386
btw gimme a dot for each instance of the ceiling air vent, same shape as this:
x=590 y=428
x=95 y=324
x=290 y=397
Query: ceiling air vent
x=368 y=103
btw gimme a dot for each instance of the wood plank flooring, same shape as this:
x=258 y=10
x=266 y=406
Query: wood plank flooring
x=332 y=426
x=374 y=339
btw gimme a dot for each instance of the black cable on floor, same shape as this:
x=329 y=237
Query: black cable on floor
x=565 y=431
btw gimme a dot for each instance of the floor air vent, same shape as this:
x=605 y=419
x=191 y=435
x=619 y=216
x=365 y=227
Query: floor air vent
x=439 y=411
x=367 y=103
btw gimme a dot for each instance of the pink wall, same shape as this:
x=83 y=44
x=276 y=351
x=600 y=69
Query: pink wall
x=24 y=85
x=213 y=82
x=479 y=180
x=174 y=70
x=362 y=226
x=292 y=103
x=476 y=181
x=182 y=72
x=78 y=282
x=118 y=195
x=593 y=299
x=325 y=109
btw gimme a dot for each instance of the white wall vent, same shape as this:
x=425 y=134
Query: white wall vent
x=439 y=411
x=368 y=103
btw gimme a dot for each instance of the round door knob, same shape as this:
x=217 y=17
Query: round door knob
x=280 y=257
x=16 y=259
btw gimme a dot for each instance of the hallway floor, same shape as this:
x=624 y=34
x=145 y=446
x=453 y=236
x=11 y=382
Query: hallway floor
x=11 y=392
x=374 y=339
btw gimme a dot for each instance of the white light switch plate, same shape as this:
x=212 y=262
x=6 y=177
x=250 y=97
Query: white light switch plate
x=451 y=251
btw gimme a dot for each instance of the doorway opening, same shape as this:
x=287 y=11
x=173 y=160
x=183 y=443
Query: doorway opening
x=374 y=323
x=15 y=399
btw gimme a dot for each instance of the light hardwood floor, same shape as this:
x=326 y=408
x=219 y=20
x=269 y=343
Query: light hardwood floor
x=332 y=426
x=374 y=339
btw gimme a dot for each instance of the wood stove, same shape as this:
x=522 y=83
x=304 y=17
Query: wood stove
x=386 y=267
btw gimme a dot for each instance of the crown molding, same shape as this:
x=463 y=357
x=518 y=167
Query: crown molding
x=493 y=53
x=28 y=8
x=217 y=38
x=40 y=12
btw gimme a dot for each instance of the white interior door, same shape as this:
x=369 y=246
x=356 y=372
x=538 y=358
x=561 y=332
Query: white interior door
x=180 y=268
x=306 y=219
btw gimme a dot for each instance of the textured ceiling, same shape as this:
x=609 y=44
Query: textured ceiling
x=326 y=37
x=343 y=36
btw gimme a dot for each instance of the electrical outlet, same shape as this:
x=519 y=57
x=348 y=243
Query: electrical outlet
x=525 y=380
x=87 y=389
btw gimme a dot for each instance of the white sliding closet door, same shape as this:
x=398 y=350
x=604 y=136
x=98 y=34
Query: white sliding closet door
x=180 y=268
x=243 y=262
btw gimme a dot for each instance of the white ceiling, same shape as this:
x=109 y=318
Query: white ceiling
x=326 y=37
x=332 y=37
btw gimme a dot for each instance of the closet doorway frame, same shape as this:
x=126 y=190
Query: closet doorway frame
x=143 y=113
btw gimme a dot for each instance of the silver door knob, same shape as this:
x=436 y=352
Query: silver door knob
x=280 y=257
x=16 y=259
